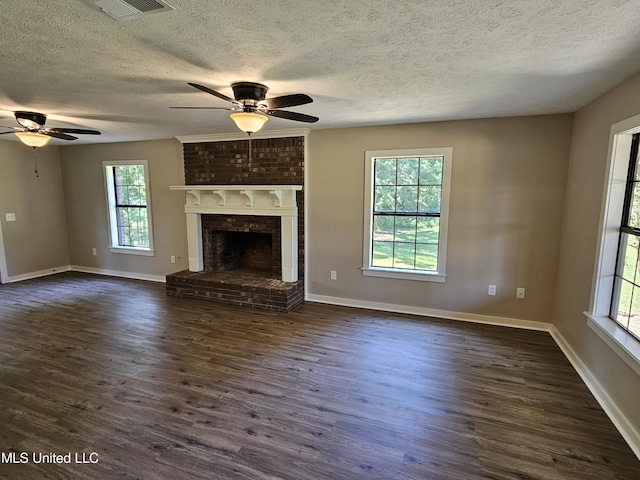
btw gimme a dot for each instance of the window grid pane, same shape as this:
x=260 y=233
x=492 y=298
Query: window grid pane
x=404 y=255
x=385 y=199
x=431 y=171
x=634 y=208
x=407 y=171
x=428 y=230
x=426 y=256
x=634 y=315
x=407 y=198
x=382 y=254
x=430 y=197
x=407 y=202
x=625 y=305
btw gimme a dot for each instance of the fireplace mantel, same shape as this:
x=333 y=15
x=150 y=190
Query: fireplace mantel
x=241 y=199
x=273 y=200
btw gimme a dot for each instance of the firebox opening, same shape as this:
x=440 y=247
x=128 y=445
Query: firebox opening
x=244 y=250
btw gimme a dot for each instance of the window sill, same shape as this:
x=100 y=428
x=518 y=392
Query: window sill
x=133 y=251
x=403 y=274
x=621 y=342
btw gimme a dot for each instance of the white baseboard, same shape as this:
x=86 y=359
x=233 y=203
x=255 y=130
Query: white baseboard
x=630 y=434
x=430 y=312
x=116 y=273
x=40 y=273
x=97 y=271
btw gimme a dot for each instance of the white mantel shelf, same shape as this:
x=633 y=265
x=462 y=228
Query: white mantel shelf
x=273 y=200
x=238 y=199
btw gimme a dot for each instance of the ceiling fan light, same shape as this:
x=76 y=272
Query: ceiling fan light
x=248 y=121
x=33 y=139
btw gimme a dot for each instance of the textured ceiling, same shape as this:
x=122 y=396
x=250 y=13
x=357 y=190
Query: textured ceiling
x=364 y=62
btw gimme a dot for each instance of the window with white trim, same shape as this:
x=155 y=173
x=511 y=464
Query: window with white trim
x=613 y=292
x=406 y=213
x=625 y=303
x=129 y=206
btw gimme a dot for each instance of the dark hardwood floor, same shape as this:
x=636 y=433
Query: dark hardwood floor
x=157 y=387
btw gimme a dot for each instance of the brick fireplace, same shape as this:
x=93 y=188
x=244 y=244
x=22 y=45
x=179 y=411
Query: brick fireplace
x=246 y=235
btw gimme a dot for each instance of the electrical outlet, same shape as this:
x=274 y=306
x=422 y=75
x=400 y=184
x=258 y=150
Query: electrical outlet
x=492 y=290
x=520 y=292
x=94 y=251
x=10 y=217
x=334 y=275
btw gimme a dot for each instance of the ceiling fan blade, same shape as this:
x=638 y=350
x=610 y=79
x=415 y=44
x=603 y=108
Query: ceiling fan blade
x=205 y=108
x=82 y=131
x=60 y=135
x=298 y=117
x=286 y=101
x=4 y=133
x=212 y=92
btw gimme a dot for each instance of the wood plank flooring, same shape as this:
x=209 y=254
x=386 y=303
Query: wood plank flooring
x=159 y=387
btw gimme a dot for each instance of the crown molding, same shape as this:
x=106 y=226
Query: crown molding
x=222 y=137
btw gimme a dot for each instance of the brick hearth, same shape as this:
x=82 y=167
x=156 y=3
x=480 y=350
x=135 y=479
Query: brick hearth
x=237 y=287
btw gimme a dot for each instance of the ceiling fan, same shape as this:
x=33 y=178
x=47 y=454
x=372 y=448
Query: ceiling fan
x=33 y=133
x=251 y=105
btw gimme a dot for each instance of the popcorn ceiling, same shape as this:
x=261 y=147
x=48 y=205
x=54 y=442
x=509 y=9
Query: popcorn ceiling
x=366 y=62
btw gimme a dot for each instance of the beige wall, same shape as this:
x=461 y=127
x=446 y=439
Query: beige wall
x=86 y=209
x=37 y=241
x=506 y=213
x=579 y=242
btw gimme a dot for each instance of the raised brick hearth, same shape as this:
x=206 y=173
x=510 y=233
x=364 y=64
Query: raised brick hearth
x=221 y=275
x=237 y=287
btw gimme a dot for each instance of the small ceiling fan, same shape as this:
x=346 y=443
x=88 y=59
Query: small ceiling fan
x=33 y=133
x=251 y=105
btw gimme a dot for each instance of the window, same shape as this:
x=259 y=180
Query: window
x=625 y=305
x=406 y=213
x=614 y=295
x=127 y=186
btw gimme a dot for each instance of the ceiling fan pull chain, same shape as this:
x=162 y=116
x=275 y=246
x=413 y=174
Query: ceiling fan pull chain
x=35 y=162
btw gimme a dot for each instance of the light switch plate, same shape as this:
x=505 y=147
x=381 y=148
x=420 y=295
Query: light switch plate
x=10 y=217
